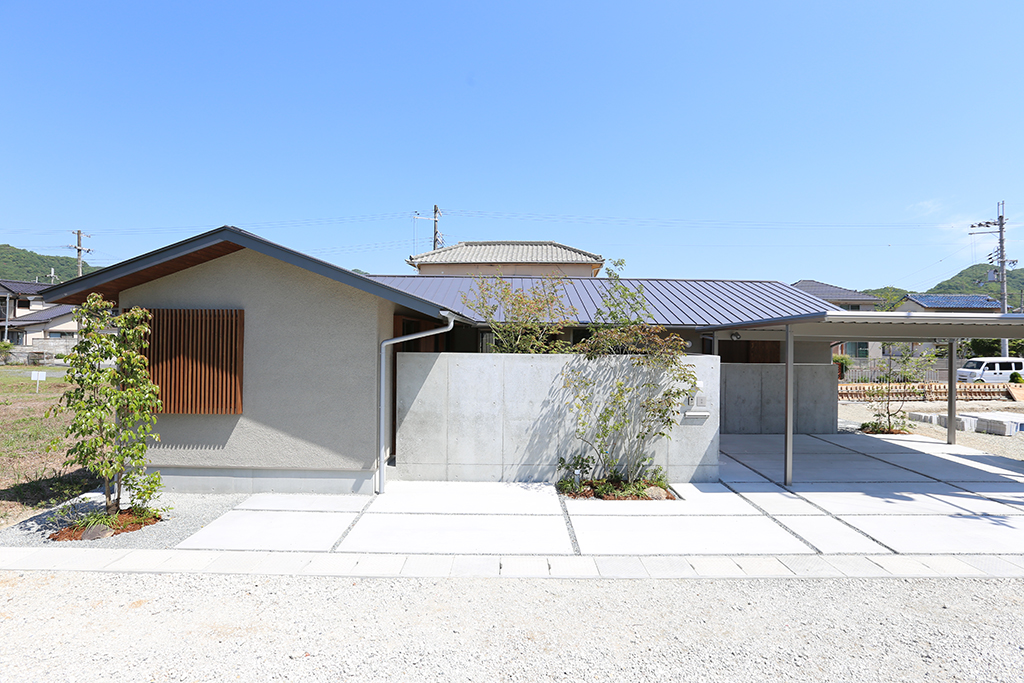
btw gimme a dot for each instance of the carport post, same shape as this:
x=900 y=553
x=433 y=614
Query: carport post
x=951 y=393
x=789 y=406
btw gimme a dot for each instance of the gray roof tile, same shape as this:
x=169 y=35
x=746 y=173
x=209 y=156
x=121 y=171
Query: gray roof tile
x=506 y=252
x=832 y=293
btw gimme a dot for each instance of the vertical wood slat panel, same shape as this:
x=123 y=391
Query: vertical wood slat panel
x=195 y=358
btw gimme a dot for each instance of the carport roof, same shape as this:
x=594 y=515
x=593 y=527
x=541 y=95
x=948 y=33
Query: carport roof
x=888 y=326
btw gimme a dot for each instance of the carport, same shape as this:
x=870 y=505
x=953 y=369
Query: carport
x=831 y=326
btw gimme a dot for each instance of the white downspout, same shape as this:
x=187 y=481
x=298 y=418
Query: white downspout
x=381 y=414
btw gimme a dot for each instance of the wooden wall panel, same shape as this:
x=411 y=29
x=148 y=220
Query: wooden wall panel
x=195 y=357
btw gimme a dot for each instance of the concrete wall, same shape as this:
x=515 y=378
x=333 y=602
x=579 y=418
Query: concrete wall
x=753 y=399
x=309 y=416
x=502 y=417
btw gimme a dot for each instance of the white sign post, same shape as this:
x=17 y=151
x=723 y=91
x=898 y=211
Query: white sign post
x=38 y=377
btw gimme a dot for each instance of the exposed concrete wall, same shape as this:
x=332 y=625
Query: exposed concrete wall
x=310 y=372
x=753 y=399
x=503 y=417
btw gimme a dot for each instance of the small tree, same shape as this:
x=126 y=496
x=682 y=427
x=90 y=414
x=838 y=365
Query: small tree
x=618 y=416
x=113 y=401
x=522 y=320
x=5 y=350
x=899 y=372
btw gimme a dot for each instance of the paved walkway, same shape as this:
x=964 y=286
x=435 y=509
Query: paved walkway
x=860 y=506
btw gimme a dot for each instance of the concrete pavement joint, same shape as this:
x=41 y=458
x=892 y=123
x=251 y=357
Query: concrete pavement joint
x=359 y=515
x=568 y=525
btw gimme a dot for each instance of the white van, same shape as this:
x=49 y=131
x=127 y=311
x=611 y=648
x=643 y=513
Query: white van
x=989 y=370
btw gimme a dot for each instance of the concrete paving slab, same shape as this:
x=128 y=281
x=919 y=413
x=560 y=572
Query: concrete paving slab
x=683 y=536
x=142 y=560
x=812 y=565
x=428 y=565
x=855 y=566
x=830 y=536
x=284 y=563
x=331 y=565
x=830 y=467
x=947 y=467
x=715 y=567
x=956 y=535
x=901 y=565
x=8 y=556
x=1013 y=559
x=82 y=559
x=993 y=565
x=866 y=443
x=476 y=566
x=762 y=566
x=188 y=561
x=573 y=567
x=525 y=567
x=467 y=498
x=948 y=565
x=733 y=444
x=668 y=567
x=621 y=568
x=1007 y=493
x=775 y=500
x=379 y=565
x=459 y=534
x=236 y=562
x=304 y=502
x=271 y=530
x=911 y=498
x=730 y=470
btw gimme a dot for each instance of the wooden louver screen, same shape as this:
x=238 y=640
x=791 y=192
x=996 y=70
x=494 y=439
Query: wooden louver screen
x=195 y=357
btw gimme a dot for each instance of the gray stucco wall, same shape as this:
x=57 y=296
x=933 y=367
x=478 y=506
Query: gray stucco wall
x=309 y=384
x=499 y=417
x=753 y=398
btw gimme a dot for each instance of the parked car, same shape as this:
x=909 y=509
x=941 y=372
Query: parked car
x=989 y=369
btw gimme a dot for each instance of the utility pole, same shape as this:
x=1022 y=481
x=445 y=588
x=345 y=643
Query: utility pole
x=1000 y=225
x=438 y=237
x=79 y=248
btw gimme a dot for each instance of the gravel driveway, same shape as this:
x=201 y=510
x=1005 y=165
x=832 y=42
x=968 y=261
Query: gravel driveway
x=103 y=627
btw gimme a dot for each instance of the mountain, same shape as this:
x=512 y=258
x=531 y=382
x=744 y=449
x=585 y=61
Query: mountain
x=21 y=264
x=964 y=282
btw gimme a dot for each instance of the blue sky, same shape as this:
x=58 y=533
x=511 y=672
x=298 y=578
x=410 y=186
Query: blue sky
x=850 y=143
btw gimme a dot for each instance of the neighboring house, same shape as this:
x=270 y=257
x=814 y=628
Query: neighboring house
x=274 y=376
x=25 y=317
x=508 y=258
x=946 y=303
x=848 y=300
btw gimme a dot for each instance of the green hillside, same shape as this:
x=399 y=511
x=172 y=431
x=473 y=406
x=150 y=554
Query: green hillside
x=964 y=282
x=21 y=264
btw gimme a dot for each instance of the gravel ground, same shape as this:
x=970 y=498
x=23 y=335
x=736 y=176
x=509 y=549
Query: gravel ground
x=108 y=627
x=189 y=512
x=1009 y=446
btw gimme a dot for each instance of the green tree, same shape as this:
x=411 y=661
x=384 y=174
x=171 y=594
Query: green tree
x=899 y=374
x=618 y=415
x=113 y=401
x=522 y=320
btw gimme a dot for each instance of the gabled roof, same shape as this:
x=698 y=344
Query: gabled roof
x=211 y=245
x=44 y=315
x=832 y=293
x=22 y=287
x=673 y=303
x=506 y=252
x=975 y=301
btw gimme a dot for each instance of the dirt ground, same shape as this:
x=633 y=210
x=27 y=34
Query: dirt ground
x=1009 y=446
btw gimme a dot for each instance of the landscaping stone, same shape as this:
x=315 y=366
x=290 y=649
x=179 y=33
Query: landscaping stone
x=656 y=493
x=94 y=533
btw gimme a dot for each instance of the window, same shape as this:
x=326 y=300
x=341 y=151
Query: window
x=1006 y=367
x=850 y=307
x=24 y=303
x=990 y=366
x=856 y=349
x=195 y=357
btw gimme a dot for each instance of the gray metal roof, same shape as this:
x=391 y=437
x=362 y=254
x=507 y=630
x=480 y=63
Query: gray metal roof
x=888 y=326
x=507 y=252
x=41 y=316
x=23 y=287
x=673 y=303
x=829 y=292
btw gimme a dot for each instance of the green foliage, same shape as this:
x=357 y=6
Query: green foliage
x=1015 y=378
x=890 y=297
x=618 y=416
x=843 y=361
x=20 y=264
x=966 y=282
x=5 y=350
x=902 y=367
x=990 y=348
x=522 y=320
x=112 y=400
x=95 y=518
